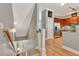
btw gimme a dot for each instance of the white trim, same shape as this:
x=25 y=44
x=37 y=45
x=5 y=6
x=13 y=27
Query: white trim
x=71 y=50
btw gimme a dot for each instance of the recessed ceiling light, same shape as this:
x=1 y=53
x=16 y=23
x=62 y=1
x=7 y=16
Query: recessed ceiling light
x=62 y=4
x=15 y=23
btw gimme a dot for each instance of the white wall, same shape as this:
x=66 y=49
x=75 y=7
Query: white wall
x=32 y=33
x=22 y=13
x=6 y=15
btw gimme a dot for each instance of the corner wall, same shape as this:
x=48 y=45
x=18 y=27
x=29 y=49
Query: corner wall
x=32 y=31
x=22 y=13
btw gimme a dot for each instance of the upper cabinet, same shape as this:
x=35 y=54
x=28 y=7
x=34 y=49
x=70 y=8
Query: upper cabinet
x=64 y=22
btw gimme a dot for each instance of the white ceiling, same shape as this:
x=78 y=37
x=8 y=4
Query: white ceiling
x=58 y=9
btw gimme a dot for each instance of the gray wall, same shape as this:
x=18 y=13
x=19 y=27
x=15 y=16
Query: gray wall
x=6 y=15
x=71 y=39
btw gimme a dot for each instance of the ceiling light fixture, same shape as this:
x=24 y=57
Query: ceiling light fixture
x=15 y=23
x=62 y=4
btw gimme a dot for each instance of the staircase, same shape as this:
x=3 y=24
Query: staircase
x=26 y=17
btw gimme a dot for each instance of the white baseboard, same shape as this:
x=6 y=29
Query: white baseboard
x=71 y=50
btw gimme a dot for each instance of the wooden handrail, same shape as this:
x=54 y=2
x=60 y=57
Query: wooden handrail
x=6 y=30
x=10 y=38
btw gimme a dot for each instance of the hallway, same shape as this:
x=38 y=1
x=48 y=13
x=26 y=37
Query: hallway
x=57 y=49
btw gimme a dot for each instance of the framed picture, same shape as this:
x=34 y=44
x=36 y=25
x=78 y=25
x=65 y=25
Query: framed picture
x=50 y=14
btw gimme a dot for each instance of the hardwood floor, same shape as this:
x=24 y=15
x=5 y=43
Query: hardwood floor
x=57 y=49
